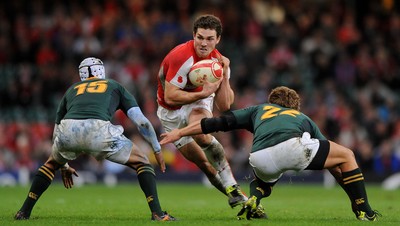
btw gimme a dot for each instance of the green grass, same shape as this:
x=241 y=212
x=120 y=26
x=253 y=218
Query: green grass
x=194 y=204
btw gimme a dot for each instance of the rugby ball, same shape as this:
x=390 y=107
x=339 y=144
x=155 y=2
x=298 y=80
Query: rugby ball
x=205 y=69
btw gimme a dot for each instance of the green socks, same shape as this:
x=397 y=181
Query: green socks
x=40 y=183
x=353 y=181
x=147 y=182
x=260 y=189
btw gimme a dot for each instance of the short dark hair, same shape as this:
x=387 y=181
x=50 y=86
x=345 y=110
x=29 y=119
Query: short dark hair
x=208 y=22
x=285 y=97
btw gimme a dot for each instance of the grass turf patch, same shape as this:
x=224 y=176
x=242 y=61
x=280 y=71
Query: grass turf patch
x=193 y=204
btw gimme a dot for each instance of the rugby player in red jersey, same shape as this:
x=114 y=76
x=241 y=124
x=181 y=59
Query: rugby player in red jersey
x=180 y=102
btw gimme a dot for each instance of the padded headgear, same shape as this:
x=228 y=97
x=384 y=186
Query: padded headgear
x=90 y=67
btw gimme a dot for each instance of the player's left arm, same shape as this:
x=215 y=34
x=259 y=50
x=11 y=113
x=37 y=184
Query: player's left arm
x=224 y=96
x=146 y=129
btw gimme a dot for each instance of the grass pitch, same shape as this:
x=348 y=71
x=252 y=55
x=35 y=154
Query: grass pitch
x=193 y=204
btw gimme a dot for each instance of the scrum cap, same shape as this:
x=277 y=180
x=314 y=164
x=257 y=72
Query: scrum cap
x=90 y=67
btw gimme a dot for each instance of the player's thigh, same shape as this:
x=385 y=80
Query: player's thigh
x=171 y=119
x=203 y=140
x=197 y=114
x=174 y=119
x=200 y=109
x=264 y=165
x=340 y=155
x=53 y=163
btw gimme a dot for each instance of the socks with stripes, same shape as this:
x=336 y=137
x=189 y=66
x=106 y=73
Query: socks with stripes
x=353 y=181
x=147 y=182
x=40 y=183
x=260 y=189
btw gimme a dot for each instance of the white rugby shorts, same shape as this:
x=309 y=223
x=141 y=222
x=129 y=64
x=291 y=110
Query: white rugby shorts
x=294 y=154
x=94 y=137
x=175 y=119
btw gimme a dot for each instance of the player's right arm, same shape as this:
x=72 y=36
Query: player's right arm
x=192 y=129
x=176 y=96
x=225 y=122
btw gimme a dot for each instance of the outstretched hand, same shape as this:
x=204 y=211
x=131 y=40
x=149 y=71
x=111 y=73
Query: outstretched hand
x=170 y=137
x=160 y=161
x=66 y=175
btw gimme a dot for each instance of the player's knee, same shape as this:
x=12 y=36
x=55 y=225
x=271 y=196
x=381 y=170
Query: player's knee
x=203 y=140
x=138 y=155
x=52 y=164
x=349 y=153
x=137 y=159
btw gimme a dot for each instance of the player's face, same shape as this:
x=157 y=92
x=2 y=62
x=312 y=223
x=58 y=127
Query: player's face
x=205 y=41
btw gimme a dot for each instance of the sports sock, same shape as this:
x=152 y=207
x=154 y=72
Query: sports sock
x=260 y=189
x=40 y=183
x=216 y=182
x=339 y=180
x=353 y=181
x=216 y=156
x=147 y=182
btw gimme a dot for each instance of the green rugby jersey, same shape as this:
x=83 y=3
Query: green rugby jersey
x=272 y=124
x=94 y=99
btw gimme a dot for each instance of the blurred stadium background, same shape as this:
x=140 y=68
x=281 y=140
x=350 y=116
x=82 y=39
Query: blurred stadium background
x=341 y=56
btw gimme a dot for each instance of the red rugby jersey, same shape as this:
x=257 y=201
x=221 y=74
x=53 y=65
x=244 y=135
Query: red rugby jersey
x=175 y=68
